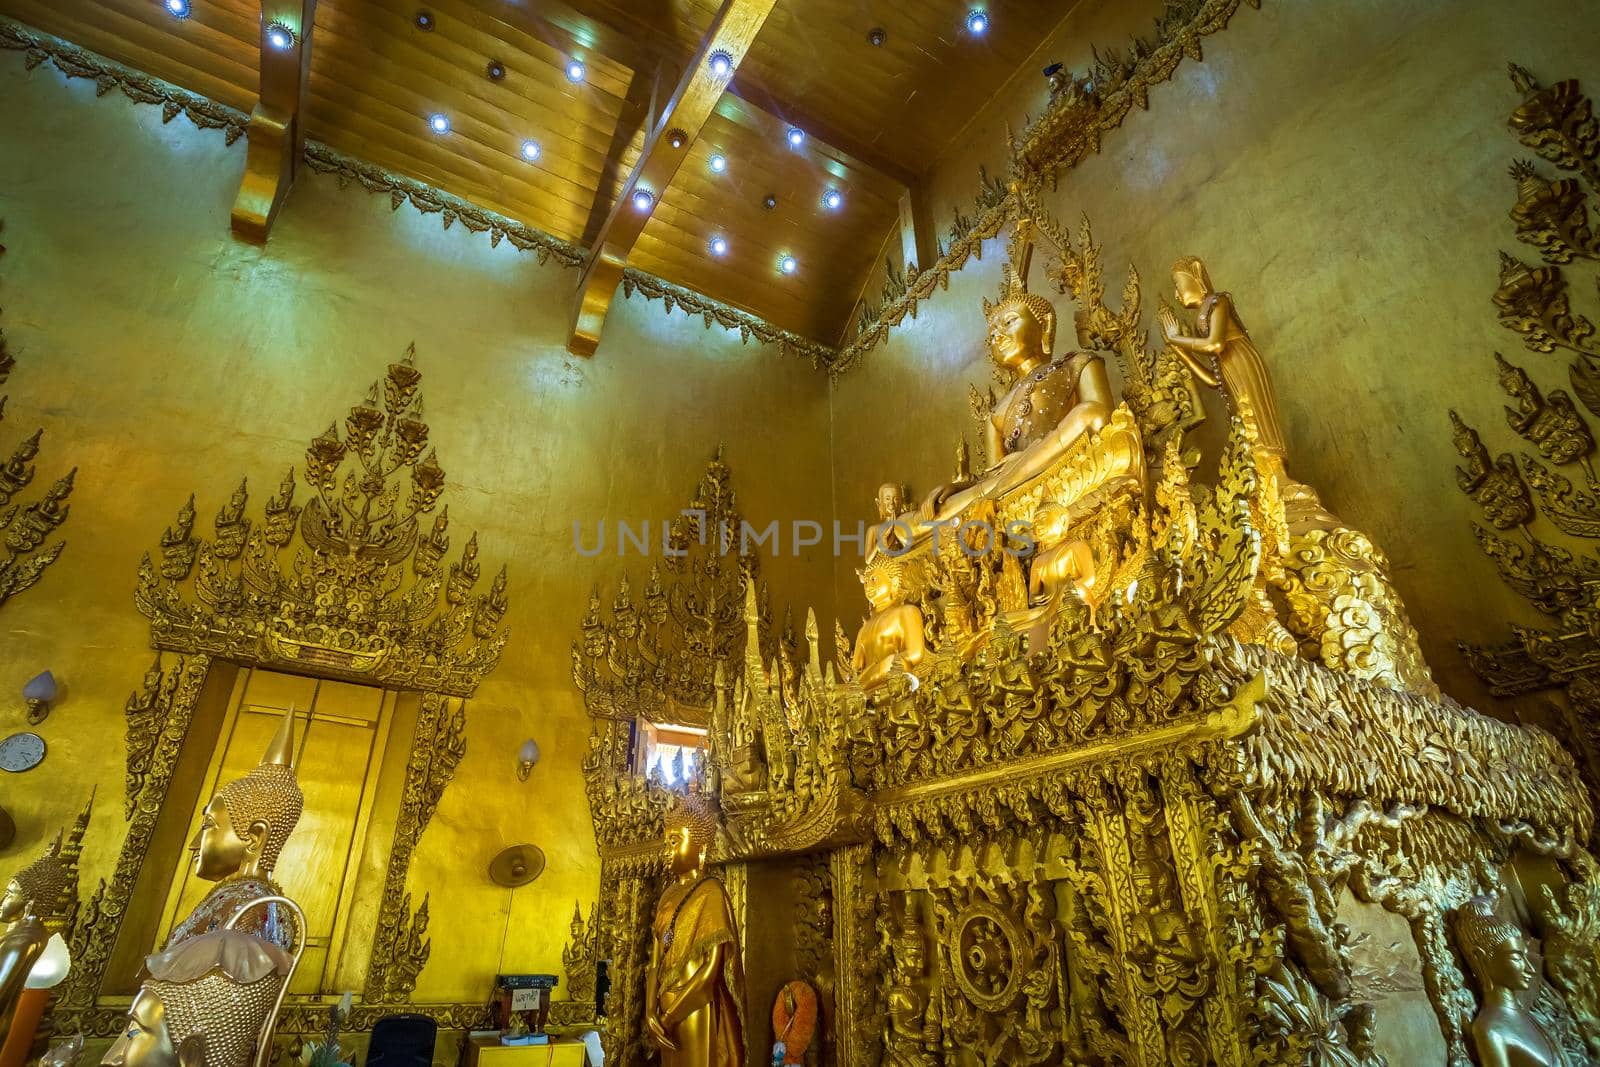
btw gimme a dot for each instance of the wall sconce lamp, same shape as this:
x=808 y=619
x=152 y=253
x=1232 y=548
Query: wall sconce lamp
x=38 y=693
x=527 y=756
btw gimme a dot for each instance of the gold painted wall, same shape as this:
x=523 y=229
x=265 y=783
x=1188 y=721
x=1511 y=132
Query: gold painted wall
x=1342 y=169
x=163 y=357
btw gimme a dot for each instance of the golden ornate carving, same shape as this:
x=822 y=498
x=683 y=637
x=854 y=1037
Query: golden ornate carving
x=321 y=585
x=26 y=526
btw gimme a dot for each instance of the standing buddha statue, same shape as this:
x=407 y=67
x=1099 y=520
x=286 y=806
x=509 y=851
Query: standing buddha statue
x=694 y=991
x=37 y=903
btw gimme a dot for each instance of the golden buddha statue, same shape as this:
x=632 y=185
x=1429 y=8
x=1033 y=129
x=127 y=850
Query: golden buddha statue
x=209 y=1001
x=1504 y=1032
x=1052 y=401
x=890 y=641
x=910 y=1036
x=241 y=835
x=37 y=902
x=694 y=990
x=889 y=535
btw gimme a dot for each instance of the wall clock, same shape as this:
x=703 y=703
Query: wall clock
x=21 y=752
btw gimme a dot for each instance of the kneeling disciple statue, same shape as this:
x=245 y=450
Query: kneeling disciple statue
x=241 y=835
x=694 y=992
x=1504 y=1032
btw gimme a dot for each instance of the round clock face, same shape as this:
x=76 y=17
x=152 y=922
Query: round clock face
x=21 y=752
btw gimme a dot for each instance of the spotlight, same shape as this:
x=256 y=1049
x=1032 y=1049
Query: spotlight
x=530 y=150
x=575 y=70
x=280 y=36
x=876 y=36
x=496 y=70
x=796 y=136
x=677 y=138
x=423 y=21
x=178 y=8
x=788 y=264
x=439 y=123
x=642 y=200
x=721 y=63
x=719 y=246
x=718 y=164
x=833 y=200
x=978 y=21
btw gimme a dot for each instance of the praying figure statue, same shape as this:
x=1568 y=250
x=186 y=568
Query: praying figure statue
x=1504 y=1032
x=37 y=900
x=891 y=640
x=241 y=835
x=694 y=990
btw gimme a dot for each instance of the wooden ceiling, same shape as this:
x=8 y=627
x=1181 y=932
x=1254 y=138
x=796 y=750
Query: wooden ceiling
x=876 y=118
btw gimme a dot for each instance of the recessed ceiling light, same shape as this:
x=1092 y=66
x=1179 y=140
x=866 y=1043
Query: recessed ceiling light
x=796 y=136
x=719 y=246
x=423 y=20
x=642 y=200
x=178 y=8
x=576 y=70
x=677 y=138
x=530 y=150
x=718 y=164
x=833 y=200
x=978 y=21
x=280 y=36
x=721 y=63
x=876 y=36
x=788 y=264
x=496 y=70
x=439 y=123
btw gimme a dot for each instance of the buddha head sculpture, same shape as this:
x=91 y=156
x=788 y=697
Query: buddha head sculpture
x=891 y=500
x=883 y=581
x=206 y=1003
x=1022 y=326
x=1191 y=282
x=245 y=825
x=1494 y=947
x=691 y=831
x=47 y=888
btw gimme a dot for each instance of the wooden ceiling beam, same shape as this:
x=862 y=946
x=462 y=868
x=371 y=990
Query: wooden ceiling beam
x=276 y=131
x=691 y=104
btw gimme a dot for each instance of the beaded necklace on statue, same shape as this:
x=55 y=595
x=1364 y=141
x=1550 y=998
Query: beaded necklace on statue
x=1014 y=438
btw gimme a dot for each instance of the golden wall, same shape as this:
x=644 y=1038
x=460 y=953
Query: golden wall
x=163 y=357
x=1342 y=170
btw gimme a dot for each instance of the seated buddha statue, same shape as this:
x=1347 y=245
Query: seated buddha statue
x=35 y=902
x=694 y=989
x=242 y=832
x=1052 y=400
x=1504 y=1032
x=891 y=640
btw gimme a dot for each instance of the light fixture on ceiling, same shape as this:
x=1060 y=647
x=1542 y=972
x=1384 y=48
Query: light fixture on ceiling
x=978 y=21
x=677 y=138
x=833 y=200
x=788 y=264
x=439 y=123
x=876 y=36
x=770 y=202
x=280 y=36
x=796 y=137
x=178 y=8
x=717 y=163
x=530 y=150
x=576 y=70
x=495 y=71
x=719 y=246
x=423 y=21
x=721 y=63
x=642 y=199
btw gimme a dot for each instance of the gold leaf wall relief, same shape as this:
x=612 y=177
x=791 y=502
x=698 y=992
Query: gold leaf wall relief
x=27 y=523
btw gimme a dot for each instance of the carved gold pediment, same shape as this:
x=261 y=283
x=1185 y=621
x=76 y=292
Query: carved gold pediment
x=345 y=583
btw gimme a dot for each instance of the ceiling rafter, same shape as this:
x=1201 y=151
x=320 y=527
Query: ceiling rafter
x=276 y=131
x=691 y=104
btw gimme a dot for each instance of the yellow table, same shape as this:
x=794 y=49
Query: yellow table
x=489 y=1052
